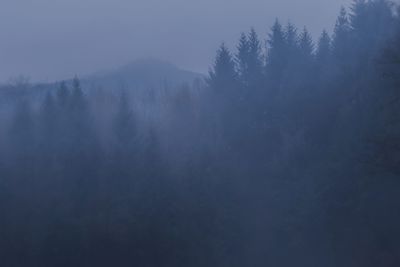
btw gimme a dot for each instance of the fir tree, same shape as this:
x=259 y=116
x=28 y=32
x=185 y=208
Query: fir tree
x=63 y=95
x=306 y=45
x=323 y=52
x=276 y=55
x=292 y=41
x=242 y=59
x=341 y=37
x=255 y=58
x=22 y=132
x=223 y=75
x=48 y=120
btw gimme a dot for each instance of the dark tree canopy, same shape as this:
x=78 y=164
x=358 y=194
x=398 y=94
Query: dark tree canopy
x=285 y=155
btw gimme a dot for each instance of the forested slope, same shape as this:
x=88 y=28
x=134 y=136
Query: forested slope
x=286 y=155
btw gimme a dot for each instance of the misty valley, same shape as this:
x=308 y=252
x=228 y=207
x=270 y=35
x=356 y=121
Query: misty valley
x=286 y=153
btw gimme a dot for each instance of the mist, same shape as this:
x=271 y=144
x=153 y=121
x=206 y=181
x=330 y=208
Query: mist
x=215 y=135
x=52 y=40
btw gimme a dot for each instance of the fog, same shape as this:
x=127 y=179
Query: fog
x=283 y=151
x=55 y=39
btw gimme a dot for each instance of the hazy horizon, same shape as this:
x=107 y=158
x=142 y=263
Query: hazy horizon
x=286 y=152
x=51 y=40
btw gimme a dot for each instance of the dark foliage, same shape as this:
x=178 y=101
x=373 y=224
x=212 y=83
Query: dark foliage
x=285 y=156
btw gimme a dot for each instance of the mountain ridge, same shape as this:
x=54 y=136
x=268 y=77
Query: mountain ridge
x=142 y=74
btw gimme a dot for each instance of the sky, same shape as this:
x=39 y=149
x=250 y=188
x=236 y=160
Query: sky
x=49 y=40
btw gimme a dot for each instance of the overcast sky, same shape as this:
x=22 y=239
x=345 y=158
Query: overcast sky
x=55 y=39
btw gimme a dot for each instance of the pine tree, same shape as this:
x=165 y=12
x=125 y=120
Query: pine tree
x=323 y=52
x=124 y=122
x=48 y=119
x=80 y=123
x=292 y=41
x=341 y=37
x=63 y=95
x=126 y=150
x=48 y=109
x=249 y=60
x=255 y=58
x=22 y=132
x=242 y=59
x=78 y=109
x=306 y=45
x=277 y=53
x=358 y=17
x=385 y=140
x=371 y=23
x=63 y=126
x=77 y=97
x=50 y=133
x=223 y=75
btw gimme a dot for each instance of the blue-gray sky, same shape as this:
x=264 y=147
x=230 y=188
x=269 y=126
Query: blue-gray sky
x=55 y=39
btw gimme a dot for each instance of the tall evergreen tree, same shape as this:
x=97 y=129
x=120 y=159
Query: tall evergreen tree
x=341 y=37
x=242 y=59
x=81 y=135
x=63 y=95
x=223 y=75
x=367 y=17
x=77 y=97
x=249 y=60
x=124 y=123
x=255 y=57
x=78 y=112
x=126 y=149
x=323 y=52
x=306 y=45
x=359 y=15
x=276 y=54
x=48 y=123
x=22 y=133
x=292 y=41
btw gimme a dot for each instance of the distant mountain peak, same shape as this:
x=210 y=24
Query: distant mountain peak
x=141 y=74
x=150 y=63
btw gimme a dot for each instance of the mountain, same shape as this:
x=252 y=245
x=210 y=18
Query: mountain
x=137 y=76
x=141 y=74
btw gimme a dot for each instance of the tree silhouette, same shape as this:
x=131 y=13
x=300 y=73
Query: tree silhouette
x=341 y=36
x=223 y=75
x=323 y=52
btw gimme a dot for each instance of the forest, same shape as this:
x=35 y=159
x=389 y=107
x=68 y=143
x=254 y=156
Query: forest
x=286 y=154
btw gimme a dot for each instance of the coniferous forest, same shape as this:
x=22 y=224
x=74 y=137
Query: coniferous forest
x=286 y=154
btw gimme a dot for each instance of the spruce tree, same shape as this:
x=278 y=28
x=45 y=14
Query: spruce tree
x=63 y=95
x=306 y=45
x=242 y=59
x=255 y=58
x=223 y=75
x=323 y=52
x=292 y=41
x=48 y=123
x=126 y=149
x=358 y=16
x=249 y=60
x=22 y=134
x=371 y=24
x=341 y=37
x=276 y=54
x=77 y=97
x=124 y=122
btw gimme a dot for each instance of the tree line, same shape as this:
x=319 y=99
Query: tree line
x=287 y=154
